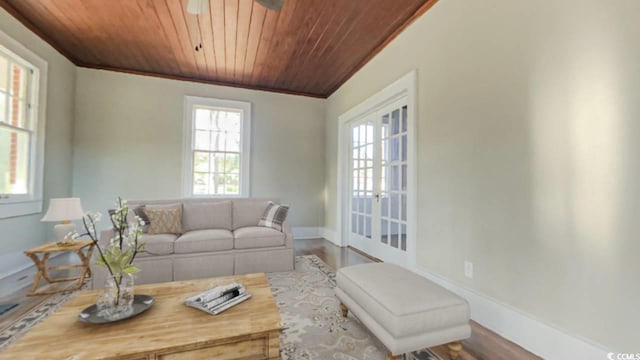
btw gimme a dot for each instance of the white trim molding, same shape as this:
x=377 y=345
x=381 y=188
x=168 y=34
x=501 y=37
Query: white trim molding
x=18 y=271
x=538 y=337
x=332 y=236
x=245 y=143
x=301 y=233
x=31 y=203
x=307 y=232
x=20 y=208
x=405 y=87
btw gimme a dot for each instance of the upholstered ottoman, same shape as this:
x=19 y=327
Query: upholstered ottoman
x=405 y=311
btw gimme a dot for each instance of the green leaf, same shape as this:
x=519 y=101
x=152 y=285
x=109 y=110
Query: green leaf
x=131 y=269
x=124 y=260
x=116 y=252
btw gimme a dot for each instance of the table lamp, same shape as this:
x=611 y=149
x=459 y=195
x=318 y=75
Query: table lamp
x=64 y=210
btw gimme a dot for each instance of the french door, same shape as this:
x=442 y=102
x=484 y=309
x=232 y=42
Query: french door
x=378 y=183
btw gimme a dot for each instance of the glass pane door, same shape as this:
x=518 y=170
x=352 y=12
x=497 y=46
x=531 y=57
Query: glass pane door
x=393 y=178
x=362 y=182
x=378 y=201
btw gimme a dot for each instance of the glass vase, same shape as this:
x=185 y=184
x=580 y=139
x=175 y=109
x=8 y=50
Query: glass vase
x=116 y=302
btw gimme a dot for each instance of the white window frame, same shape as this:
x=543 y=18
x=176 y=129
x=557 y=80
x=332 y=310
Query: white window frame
x=406 y=86
x=188 y=147
x=31 y=203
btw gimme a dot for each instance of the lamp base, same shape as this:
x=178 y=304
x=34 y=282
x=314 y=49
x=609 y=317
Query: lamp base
x=63 y=229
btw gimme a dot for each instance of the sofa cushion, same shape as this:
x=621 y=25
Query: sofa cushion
x=158 y=244
x=257 y=237
x=204 y=241
x=248 y=212
x=206 y=215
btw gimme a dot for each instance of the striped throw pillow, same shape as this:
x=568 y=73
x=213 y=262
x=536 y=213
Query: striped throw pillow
x=274 y=215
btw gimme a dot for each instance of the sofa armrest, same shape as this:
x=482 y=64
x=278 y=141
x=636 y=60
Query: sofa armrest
x=286 y=229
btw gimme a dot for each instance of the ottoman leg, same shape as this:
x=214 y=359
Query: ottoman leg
x=454 y=349
x=344 y=310
x=392 y=357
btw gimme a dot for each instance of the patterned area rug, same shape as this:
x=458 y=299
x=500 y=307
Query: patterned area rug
x=314 y=326
x=25 y=322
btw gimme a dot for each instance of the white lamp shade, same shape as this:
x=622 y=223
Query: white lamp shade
x=64 y=210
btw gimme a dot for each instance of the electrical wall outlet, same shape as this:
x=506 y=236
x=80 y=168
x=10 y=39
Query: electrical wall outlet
x=468 y=269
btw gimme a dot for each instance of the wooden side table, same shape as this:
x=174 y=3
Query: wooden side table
x=40 y=255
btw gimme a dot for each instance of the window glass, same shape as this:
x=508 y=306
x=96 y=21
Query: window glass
x=217 y=152
x=16 y=131
x=14 y=161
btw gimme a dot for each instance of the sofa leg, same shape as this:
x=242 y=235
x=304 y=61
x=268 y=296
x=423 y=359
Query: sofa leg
x=454 y=349
x=344 y=310
x=393 y=357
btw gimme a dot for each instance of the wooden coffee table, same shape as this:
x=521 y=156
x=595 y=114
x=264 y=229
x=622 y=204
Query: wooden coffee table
x=169 y=330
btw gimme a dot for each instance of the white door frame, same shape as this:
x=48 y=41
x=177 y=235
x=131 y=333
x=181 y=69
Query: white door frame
x=406 y=86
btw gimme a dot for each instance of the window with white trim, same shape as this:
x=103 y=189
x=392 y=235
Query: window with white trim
x=21 y=129
x=217 y=143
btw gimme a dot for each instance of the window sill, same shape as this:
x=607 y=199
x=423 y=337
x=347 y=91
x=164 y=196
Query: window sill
x=9 y=210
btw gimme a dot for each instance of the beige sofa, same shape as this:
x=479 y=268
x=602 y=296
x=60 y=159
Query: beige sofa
x=220 y=237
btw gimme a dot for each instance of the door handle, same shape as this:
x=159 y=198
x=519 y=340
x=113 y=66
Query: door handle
x=377 y=196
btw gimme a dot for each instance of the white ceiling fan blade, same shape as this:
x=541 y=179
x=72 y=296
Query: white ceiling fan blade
x=197 y=7
x=272 y=4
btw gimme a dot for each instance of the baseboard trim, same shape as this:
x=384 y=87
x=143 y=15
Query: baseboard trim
x=18 y=270
x=372 y=258
x=13 y=263
x=307 y=232
x=302 y=232
x=332 y=236
x=543 y=339
x=538 y=337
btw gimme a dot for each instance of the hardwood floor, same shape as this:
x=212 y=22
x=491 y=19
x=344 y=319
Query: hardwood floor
x=25 y=303
x=483 y=344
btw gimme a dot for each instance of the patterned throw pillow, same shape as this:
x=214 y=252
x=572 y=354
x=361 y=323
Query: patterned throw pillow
x=274 y=215
x=164 y=221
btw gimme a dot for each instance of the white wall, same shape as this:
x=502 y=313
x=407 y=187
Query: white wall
x=528 y=154
x=20 y=233
x=128 y=142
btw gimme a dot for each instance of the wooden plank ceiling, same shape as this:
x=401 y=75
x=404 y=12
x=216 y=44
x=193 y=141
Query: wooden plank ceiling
x=309 y=47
